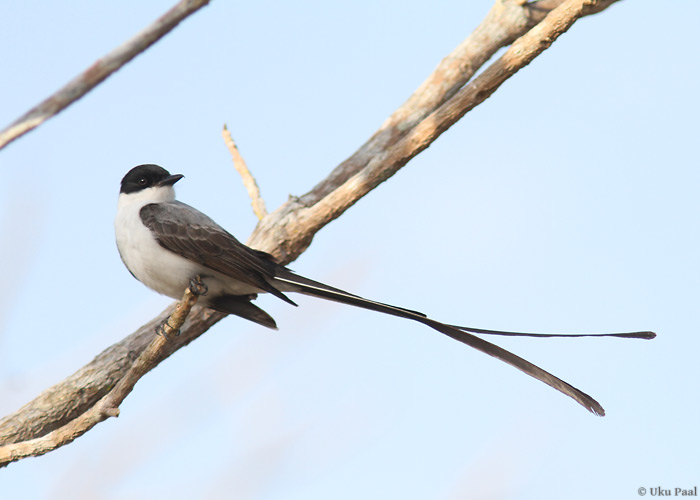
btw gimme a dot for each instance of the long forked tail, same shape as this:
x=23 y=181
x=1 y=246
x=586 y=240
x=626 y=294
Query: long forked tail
x=462 y=334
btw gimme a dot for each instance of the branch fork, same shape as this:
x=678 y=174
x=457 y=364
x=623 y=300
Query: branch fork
x=108 y=406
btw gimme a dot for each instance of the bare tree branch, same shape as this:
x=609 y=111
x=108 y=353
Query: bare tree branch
x=296 y=222
x=108 y=406
x=506 y=21
x=288 y=231
x=248 y=179
x=66 y=400
x=99 y=71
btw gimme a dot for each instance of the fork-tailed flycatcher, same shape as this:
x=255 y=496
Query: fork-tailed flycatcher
x=165 y=244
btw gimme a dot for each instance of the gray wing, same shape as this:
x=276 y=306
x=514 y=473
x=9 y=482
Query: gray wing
x=189 y=233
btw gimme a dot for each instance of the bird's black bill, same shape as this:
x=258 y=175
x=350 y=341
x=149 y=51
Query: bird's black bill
x=170 y=180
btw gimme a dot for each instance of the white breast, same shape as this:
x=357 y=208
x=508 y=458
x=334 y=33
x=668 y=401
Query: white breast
x=153 y=265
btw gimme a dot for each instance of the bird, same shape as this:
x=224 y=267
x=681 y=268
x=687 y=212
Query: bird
x=165 y=244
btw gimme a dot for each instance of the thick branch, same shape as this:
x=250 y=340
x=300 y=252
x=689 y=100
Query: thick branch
x=63 y=402
x=108 y=406
x=99 y=71
x=295 y=223
x=288 y=231
x=506 y=21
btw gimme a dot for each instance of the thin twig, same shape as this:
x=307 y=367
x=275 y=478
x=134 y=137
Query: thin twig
x=100 y=70
x=248 y=179
x=108 y=406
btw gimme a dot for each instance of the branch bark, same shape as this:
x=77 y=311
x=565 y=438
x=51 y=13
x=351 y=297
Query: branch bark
x=99 y=71
x=506 y=21
x=108 y=406
x=286 y=233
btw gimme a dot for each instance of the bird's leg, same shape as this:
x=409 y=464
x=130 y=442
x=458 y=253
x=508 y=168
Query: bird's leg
x=198 y=286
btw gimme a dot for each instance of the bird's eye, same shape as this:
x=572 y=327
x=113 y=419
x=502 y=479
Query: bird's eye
x=142 y=181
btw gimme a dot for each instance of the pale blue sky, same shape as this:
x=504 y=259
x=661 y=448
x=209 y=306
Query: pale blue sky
x=566 y=202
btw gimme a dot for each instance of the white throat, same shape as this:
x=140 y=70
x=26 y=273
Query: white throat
x=134 y=201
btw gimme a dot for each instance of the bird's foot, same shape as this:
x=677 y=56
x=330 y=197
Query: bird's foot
x=198 y=286
x=165 y=330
